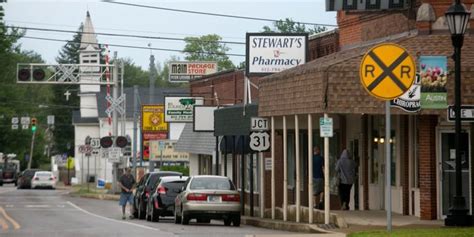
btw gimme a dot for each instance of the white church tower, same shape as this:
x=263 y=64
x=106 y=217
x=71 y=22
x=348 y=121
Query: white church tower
x=86 y=119
x=89 y=55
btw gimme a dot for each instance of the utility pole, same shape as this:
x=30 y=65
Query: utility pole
x=151 y=165
x=115 y=121
x=31 y=149
x=135 y=121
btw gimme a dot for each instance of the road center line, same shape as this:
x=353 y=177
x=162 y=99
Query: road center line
x=110 y=219
x=15 y=224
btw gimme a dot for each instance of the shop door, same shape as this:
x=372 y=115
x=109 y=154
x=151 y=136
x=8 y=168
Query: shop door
x=447 y=168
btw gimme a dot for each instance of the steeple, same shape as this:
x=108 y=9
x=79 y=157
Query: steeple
x=89 y=38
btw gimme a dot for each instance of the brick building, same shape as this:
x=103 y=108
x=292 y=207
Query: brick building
x=422 y=181
x=226 y=89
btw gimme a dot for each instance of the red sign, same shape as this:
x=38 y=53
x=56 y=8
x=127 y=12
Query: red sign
x=147 y=137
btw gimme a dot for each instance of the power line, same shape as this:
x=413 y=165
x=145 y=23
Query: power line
x=134 y=47
x=211 y=14
x=121 y=35
x=121 y=30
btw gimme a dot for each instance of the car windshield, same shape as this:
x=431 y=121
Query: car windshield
x=30 y=173
x=212 y=184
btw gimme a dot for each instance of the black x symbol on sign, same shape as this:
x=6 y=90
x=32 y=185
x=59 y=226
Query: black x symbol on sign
x=387 y=71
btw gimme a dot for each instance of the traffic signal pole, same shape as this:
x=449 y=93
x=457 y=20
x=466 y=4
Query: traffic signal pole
x=31 y=149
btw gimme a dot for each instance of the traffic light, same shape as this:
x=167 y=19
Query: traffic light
x=33 y=124
x=106 y=142
x=24 y=74
x=121 y=141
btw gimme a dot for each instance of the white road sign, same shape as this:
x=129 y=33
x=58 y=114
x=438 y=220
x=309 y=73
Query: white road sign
x=259 y=124
x=25 y=121
x=50 y=119
x=259 y=141
x=14 y=126
x=114 y=154
x=95 y=143
x=24 y=126
x=325 y=127
x=15 y=120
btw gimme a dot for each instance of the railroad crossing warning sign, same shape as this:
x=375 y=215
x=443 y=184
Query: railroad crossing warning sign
x=387 y=71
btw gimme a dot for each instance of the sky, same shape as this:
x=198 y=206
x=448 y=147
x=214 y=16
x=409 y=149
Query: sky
x=121 y=19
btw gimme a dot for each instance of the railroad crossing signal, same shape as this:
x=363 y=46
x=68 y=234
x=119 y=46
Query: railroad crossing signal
x=387 y=71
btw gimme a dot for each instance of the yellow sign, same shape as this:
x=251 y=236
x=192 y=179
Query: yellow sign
x=70 y=163
x=387 y=71
x=153 y=118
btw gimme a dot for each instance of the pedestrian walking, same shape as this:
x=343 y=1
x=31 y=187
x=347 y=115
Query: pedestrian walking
x=318 y=178
x=345 y=168
x=126 y=183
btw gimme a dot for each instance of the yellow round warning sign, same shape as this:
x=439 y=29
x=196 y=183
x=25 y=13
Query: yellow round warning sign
x=387 y=71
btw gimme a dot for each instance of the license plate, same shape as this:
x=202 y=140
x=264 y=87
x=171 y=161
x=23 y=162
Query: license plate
x=214 y=198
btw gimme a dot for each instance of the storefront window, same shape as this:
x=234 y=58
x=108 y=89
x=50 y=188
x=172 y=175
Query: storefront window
x=255 y=174
x=291 y=171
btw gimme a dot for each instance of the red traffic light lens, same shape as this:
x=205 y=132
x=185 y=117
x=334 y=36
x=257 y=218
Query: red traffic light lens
x=24 y=74
x=106 y=142
x=38 y=74
x=121 y=141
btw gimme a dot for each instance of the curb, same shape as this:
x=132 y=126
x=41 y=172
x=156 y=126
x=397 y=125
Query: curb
x=108 y=197
x=284 y=225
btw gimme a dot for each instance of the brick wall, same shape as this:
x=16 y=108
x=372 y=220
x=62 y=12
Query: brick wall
x=325 y=44
x=228 y=85
x=427 y=154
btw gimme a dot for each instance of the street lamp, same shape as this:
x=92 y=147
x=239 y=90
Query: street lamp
x=457 y=18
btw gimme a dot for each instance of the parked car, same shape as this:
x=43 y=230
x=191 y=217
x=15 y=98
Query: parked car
x=1 y=177
x=43 y=179
x=161 y=202
x=208 y=197
x=143 y=191
x=24 y=179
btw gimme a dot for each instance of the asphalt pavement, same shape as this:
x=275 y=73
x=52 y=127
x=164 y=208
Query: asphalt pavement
x=51 y=213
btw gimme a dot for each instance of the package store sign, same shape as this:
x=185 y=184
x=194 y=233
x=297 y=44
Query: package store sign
x=153 y=118
x=269 y=53
x=185 y=71
x=180 y=109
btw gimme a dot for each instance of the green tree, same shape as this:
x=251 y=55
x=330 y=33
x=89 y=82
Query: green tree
x=19 y=100
x=208 y=48
x=287 y=25
x=134 y=75
x=64 y=130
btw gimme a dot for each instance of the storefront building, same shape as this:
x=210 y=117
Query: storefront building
x=422 y=143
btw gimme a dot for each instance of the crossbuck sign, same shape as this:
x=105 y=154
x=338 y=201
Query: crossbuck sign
x=387 y=71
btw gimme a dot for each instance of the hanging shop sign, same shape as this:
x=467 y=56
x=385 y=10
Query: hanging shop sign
x=180 y=109
x=269 y=53
x=410 y=101
x=434 y=75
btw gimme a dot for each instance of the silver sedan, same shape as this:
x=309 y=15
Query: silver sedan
x=206 y=197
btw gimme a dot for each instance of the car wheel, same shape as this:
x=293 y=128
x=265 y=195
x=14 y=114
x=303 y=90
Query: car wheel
x=227 y=221
x=147 y=213
x=236 y=221
x=184 y=218
x=177 y=219
x=155 y=217
x=141 y=212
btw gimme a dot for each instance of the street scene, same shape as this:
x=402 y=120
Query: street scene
x=320 y=118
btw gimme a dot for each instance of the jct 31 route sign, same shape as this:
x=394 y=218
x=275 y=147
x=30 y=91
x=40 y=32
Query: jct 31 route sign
x=387 y=71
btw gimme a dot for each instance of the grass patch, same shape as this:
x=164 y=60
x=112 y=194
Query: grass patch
x=82 y=189
x=434 y=232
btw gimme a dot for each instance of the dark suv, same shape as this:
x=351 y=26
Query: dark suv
x=161 y=201
x=24 y=180
x=144 y=190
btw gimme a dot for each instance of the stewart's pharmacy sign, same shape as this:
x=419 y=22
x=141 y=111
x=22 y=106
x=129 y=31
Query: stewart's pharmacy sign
x=269 y=53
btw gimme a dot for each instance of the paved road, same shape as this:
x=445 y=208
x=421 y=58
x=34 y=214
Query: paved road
x=51 y=213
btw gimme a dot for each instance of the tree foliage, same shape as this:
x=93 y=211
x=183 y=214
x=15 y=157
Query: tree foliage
x=287 y=25
x=64 y=130
x=20 y=100
x=208 y=48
